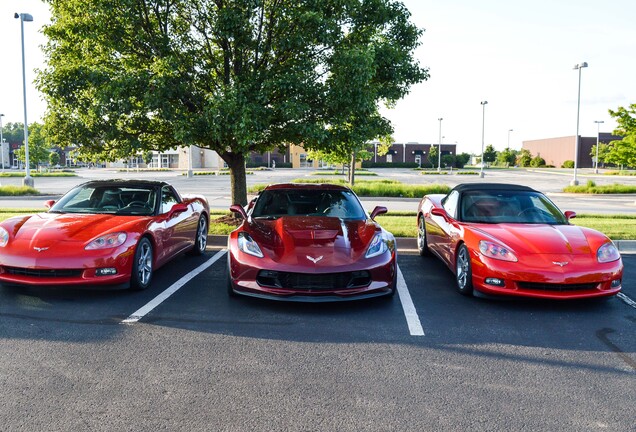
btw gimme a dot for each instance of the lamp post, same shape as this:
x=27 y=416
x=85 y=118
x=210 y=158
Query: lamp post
x=598 y=135
x=483 y=125
x=509 y=130
x=579 y=66
x=28 y=180
x=439 y=147
x=2 y=141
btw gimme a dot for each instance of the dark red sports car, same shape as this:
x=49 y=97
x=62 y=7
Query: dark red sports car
x=512 y=240
x=307 y=242
x=103 y=233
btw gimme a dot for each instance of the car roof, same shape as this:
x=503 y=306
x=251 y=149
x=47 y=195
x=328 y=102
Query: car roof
x=306 y=186
x=126 y=183
x=467 y=187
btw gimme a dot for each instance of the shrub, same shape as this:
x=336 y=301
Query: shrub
x=568 y=164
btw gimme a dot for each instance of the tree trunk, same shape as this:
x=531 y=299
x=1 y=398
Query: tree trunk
x=352 y=171
x=238 y=181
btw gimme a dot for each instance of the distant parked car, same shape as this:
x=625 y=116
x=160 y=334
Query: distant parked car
x=501 y=239
x=307 y=242
x=103 y=233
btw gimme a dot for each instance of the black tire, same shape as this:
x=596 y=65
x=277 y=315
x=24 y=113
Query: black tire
x=142 y=269
x=422 y=243
x=463 y=271
x=201 y=237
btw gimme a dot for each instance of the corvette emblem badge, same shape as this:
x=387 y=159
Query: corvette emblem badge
x=314 y=260
x=40 y=249
x=560 y=263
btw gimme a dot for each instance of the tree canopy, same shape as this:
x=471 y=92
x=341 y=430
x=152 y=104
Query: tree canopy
x=233 y=76
x=623 y=152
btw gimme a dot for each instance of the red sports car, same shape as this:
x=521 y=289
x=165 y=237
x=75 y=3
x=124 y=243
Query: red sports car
x=307 y=242
x=103 y=233
x=511 y=240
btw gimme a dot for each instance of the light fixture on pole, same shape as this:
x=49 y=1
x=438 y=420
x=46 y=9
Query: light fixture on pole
x=509 y=130
x=483 y=126
x=439 y=147
x=574 y=181
x=598 y=135
x=2 y=141
x=28 y=180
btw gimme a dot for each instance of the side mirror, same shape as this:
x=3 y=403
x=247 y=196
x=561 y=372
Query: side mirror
x=48 y=204
x=378 y=211
x=440 y=212
x=239 y=209
x=570 y=215
x=251 y=203
x=178 y=208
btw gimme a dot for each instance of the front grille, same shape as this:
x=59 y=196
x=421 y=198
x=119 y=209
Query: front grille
x=43 y=273
x=557 y=287
x=313 y=281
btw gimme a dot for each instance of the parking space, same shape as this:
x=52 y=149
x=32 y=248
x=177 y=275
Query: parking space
x=201 y=360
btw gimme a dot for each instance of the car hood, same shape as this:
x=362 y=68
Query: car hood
x=53 y=227
x=315 y=241
x=540 y=238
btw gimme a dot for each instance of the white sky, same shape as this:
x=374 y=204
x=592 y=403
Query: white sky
x=517 y=55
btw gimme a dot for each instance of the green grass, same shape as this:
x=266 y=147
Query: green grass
x=620 y=173
x=376 y=188
x=592 y=188
x=11 y=190
x=403 y=223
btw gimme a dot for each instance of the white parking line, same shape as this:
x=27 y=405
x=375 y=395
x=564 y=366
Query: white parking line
x=412 y=319
x=627 y=300
x=143 y=311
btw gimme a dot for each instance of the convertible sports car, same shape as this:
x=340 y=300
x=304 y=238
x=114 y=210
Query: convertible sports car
x=511 y=240
x=307 y=242
x=103 y=233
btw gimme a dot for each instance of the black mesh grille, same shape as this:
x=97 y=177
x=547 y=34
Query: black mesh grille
x=43 y=273
x=557 y=287
x=313 y=281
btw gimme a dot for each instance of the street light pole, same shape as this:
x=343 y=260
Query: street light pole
x=483 y=126
x=439 y=147
x=28 y=180
x=598 y=135
x=579 y=66
x=2 y=141
x=509 y=130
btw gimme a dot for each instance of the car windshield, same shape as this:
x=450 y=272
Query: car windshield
x=109 y=199
x=502 y=206
x=275 y=203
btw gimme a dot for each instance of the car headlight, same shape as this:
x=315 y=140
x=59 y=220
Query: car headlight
x=247 y=244
x=4 y=237
x=377 y=247
x=607 y=253
x=107 y=241
x=496 y=251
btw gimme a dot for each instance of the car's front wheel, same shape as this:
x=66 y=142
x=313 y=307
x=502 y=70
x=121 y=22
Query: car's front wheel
x=464 y=273
x=422 y=243
x=142 y=265
x=201 y=237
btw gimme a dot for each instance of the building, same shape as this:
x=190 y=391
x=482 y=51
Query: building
x=555 y=151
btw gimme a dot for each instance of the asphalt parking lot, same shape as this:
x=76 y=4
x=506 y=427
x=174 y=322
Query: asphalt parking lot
x=182 y=355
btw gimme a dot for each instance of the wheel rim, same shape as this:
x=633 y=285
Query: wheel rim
x=202 y=235
x=421 y=235
x=144 y=265
x=463 y=266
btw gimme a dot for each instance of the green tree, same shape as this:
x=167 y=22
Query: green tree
x=432 y=155
x=490 y=154
x=623 y=152
x=54 y=158
x=537 y=162
x=524 y=158
x=39 y=148
x=461 y=160
x=506 y=157
x=603 y=151
x=233 y=76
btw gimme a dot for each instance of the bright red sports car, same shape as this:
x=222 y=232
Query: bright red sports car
x=307 y=242
x=103 y=233
x=511 y=240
